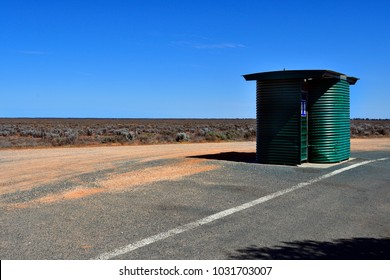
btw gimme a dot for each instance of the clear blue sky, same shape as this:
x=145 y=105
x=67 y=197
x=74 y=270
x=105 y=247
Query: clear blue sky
x=155 y=59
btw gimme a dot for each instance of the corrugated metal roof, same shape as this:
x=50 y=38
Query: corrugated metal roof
x=299 y=74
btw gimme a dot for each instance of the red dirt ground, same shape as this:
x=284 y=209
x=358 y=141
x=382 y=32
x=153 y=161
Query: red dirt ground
x=24 y=170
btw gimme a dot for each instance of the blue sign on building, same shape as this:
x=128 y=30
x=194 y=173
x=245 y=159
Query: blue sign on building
x=303 y=108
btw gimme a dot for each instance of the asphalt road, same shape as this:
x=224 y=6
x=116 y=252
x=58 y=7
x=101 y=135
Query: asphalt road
x=337 y=216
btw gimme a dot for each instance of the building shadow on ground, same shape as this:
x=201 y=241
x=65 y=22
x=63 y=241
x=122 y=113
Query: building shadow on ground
x=340 y=249
x=230 y=156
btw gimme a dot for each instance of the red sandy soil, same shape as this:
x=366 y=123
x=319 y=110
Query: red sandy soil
x=24 y=170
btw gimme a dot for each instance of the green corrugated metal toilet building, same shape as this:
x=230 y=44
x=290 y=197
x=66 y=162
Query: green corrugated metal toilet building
x=302 y=116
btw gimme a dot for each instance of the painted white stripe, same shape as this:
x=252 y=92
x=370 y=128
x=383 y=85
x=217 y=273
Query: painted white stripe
x=222 y=214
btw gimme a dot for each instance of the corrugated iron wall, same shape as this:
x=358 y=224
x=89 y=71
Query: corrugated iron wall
x=278 y=121
x=329 y=121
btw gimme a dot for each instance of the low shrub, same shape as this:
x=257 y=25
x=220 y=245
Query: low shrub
x=182 y=136
x=215 y=136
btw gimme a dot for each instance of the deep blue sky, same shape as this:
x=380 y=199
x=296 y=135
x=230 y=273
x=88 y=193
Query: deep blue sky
x=136 y=58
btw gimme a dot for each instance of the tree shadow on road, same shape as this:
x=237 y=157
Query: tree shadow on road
x=340 y=249
x=230 y=156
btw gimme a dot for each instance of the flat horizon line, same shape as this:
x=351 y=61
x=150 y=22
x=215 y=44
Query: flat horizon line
x=108 y=118
x=163 y=118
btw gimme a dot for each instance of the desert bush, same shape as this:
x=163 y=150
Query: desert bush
x=90 y=131
x=147 y=138
x=7 y=130
x=182 y=136
x=69 y=138
x=368 y=128
x=102 y=131
x=382 y=130
x=215 y=136
x=111 y=139
x=202 y=132
x=250 y=134
x=125 y=134
x=232 y=134
x=165 y=138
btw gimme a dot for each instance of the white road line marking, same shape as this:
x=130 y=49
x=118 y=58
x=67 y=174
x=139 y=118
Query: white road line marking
x=222 y=214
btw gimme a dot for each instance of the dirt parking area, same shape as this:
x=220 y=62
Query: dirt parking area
x=370 y=144
x=38 y=176
x=32 y=176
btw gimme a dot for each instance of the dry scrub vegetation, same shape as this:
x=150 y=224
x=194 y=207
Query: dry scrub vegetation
x=66 y=132
x=370 y=128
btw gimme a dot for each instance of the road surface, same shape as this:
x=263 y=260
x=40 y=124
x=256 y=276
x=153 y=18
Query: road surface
x=192 y=201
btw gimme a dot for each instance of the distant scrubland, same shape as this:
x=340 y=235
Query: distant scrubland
x=370 y=128
x=62 y=132
x=69 y=132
